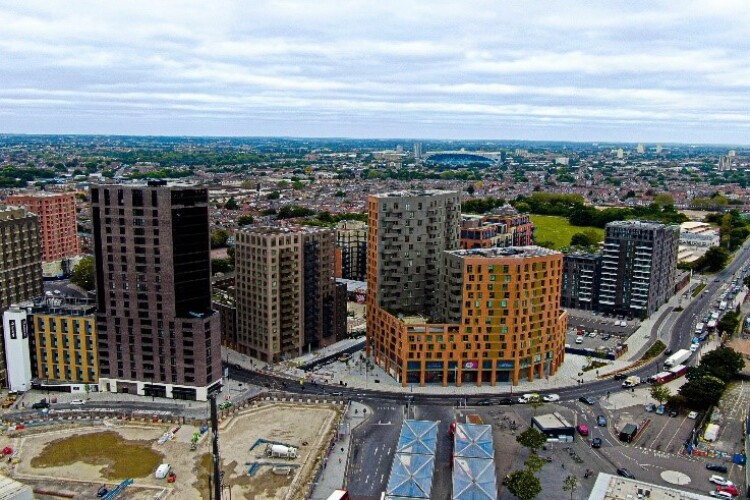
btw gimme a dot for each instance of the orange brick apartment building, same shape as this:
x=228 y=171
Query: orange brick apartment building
x=482 y=316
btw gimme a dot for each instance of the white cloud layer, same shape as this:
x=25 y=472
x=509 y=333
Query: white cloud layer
x=618 y=70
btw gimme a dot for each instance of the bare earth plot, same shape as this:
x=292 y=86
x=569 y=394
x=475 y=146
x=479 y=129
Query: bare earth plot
x=80 y=459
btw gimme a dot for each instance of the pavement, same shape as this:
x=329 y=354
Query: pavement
x=336 y=464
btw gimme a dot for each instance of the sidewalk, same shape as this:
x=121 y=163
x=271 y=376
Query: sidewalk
x=336 y=464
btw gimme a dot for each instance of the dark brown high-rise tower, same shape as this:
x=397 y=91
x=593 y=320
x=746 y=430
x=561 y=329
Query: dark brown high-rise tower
x=157 y=333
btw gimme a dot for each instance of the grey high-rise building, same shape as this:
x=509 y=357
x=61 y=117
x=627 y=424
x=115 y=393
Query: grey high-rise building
x=157 y=332
x=20 y=264
x=351 y=250
x=408 y=233
x=580 y=280
x=639 y=264
x=285 y=291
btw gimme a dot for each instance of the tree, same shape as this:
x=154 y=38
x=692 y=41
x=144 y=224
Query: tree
x=298 y=185
x=580 y=240
x=703 y=392
x=570 y=484
x=471 y=189
x=660 y=393
x=724 y=363
x=273 y=195
x=244 y=220
x=535 y=403
x=83 y=274
x=715 y=259
x=531 y=439
x=664 y=201
x=524 y=485
x=219 y=238
x=221 y=265
x=231 y=204
x=534 y=463
x=729 y=323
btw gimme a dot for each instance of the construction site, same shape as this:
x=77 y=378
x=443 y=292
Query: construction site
x=268 y=450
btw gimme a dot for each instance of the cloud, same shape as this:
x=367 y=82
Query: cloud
x=672 y=71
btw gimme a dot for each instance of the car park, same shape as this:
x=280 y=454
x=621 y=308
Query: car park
x=716 y=467
x=622 y=471
x=596 y=443
x=587 y=400
x=601 y=421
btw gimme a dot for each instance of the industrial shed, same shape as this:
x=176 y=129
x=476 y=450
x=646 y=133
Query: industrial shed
x=418 y=437
x=411 y=476
x=474 y=479
x=473 y=441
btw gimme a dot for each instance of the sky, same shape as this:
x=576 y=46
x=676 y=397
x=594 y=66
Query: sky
x=626 y=71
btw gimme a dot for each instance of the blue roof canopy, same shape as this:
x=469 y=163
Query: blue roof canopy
x=474 y=441
x=474 y=479
x=418 y=437
x=411 y=476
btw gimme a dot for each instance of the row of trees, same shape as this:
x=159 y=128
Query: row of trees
x=707 y=381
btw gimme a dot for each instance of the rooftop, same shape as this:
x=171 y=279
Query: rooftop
x=552 y=421
x=609 y=487
x=414 y=193
x=506 y=252
x=637 y=224
x=291 y=229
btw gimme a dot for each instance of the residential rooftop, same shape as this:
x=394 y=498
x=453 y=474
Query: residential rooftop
x=506 y=252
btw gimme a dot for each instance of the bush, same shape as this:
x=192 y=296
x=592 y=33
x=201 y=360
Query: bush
x=654 y=350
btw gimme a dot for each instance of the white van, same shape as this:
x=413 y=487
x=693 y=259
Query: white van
x=162 y=471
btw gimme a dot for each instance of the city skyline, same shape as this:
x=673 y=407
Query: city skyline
x=625 y=72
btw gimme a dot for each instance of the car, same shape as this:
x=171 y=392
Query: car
x=721 y=494
x=551 y=398
x=527 y=398
x=729 y=488
x=485 y=402
x=78 y=402
x=622 y=471
x=41 y=405
x=693 y=415
x=673 y=413
x=650 y=407
x=621 y=376
x=661 y=409
x=582 y=429
x=601 y=421
x=668 y=352
x=505 y=401
x=596 y=443
x=716 y=479
x=716 y=467
x=579 y=340
x=606 y=336
x=694 y=347
x=587 y=400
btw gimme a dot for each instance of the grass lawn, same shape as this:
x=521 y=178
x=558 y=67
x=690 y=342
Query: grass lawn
x=123 y=459
x=557 y=229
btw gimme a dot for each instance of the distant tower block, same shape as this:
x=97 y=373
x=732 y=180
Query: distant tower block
x=418 y=150
x=658 y=149
x=620 y=153
x=641 y=149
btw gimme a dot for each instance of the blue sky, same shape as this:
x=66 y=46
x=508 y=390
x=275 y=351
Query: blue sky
x=669 y=71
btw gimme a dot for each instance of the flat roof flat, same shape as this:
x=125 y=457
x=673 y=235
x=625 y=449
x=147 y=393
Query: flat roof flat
x=552 y=421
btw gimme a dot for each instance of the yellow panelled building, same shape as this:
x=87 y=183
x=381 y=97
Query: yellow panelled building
x=64 y=341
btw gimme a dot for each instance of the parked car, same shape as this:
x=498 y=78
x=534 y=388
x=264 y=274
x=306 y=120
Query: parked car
x=78 y=402
x=485 y=402
x=601 y=421
x=551 y=398
x=589 y=400
x=583 y=430
x=721 y=494
x=505 y=401
x=579 y=340
x=650 y=407
x=661 y=409
x=622 y=471
x=716 y=467
x=668 y=352
x=693 y=415
x=621 y=376
x=596 y=443
x=40 y=405
x=673 y=413
x=720 y=480
x=729 y=488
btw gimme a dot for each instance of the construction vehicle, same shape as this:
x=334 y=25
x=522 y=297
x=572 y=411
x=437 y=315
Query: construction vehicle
x=281 y=451
x=631 y=381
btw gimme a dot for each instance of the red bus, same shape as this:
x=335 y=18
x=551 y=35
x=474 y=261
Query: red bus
x=339 y=495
